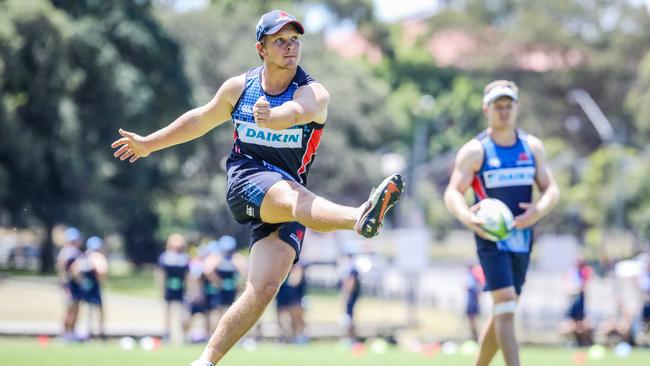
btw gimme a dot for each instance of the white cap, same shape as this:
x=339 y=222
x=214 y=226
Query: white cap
x=498 y=92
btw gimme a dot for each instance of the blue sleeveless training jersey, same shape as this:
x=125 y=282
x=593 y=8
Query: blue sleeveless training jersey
x=175 y=266
x=507 y=174
x=291 y=150
x=90 y=286
x=228 y=274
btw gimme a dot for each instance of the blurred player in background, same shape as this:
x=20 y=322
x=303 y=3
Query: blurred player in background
x=289 y=302
x=91 y=269
x=195 y=296
x=210 y=284
x=73 y=296
x=172 y=273
x=223 y=270
x=576 y=282
x=475 y=281
x=502 y=162
x=350 y=292
x=297 y=311
x=644 y=286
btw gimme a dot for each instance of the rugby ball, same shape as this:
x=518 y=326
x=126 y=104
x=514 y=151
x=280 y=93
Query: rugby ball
x=498 y=218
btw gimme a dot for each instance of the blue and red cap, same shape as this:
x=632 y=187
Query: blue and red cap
x=273 y=21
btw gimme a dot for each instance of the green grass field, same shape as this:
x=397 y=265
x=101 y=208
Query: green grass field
x=23 y=352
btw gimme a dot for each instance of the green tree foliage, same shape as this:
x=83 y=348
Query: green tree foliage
x=638 y=208
x=80 y=70
x=611 y=193
x=638 y=102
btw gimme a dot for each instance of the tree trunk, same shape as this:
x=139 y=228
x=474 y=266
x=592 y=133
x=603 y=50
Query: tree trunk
x=47 y=251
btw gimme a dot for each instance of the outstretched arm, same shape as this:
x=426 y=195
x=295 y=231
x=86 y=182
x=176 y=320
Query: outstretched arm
x=309 y=104
x=467 y=163
x=192 y=124
x=550 y=193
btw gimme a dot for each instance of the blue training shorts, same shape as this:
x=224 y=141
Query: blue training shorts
x=248 y=182
x=472 y=307
x=502 y=268
x=74 y=291
x=576 y=310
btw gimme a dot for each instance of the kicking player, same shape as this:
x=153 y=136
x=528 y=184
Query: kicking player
x=278 y=111
x=505 y=163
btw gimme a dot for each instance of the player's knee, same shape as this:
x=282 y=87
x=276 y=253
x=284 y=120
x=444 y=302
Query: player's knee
x=299 y=201
x=265 y=292
x=505 y=308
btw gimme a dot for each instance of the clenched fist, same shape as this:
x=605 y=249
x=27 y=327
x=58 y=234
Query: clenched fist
x=262 y=110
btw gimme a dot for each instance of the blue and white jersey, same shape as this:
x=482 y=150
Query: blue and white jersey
x=290 y=151
x=228 y=274
x=175 y=266
x=90 y=278
x=68 y=254
x=507 y=174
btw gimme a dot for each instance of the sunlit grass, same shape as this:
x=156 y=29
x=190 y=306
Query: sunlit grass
x=24 y=352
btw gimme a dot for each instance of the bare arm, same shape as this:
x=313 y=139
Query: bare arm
x=60 y=269
x=100 y=263
x=468 y=162
x=74 y=272
x=211 y=264
x=192 y=124
x=159 y=278
x=550 y=193
x=309 y=104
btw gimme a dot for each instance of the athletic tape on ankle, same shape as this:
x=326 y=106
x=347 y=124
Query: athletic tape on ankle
x=508 y=307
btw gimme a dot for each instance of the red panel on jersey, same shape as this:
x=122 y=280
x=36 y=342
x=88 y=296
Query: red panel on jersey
x=312 y=145
x=479 y=190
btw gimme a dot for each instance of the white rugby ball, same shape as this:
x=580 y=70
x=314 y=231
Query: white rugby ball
x=498 y=218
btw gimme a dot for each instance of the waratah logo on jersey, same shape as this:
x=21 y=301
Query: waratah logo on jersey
x=523 y=159
x=522 y=176
x=253 y=134
x=297 y=236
